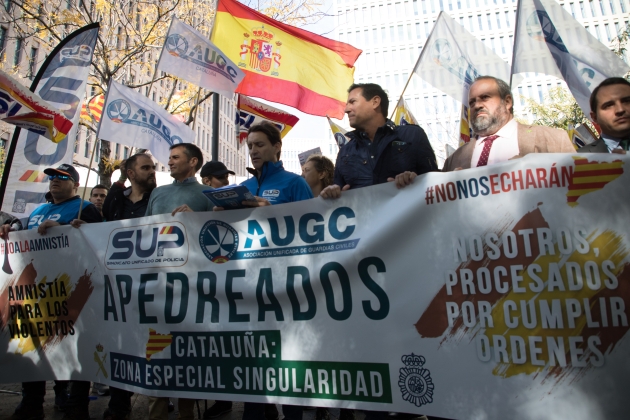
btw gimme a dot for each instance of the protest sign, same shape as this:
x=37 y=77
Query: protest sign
x=501 y=291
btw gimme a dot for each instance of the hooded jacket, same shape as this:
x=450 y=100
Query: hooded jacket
x=277 y=185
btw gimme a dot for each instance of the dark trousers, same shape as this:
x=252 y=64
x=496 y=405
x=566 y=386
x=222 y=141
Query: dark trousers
x=33 y=393
x=256 y=411
x=120 y=401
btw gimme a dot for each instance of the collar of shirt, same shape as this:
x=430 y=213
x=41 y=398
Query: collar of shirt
x=186 y=181
x=611 y=142
x=508 y=131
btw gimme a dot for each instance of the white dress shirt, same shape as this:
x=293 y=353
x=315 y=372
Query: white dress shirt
x=503 y=148
x=611 y=142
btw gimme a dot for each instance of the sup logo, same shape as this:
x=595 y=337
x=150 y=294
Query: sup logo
x=155 y=245
x=415 y=382
x=218 y=241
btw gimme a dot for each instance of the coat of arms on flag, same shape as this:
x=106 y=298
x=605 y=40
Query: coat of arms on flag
x=260 y=48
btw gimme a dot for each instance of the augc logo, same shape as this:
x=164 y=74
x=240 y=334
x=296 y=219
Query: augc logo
x=155 y=245
x=218 y=241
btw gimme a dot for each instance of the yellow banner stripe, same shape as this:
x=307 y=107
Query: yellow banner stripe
x=601 y=178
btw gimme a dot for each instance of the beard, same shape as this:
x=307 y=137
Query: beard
x=484 y=122
x=491 y=122
x=147 y=184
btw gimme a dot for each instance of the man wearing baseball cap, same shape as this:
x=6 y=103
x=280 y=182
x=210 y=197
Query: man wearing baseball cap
x=62 y=208
x=215 y=174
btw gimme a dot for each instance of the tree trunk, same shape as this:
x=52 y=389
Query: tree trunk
x=104 y=170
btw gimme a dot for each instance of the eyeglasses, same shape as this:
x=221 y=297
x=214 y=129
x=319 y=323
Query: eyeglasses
x=61 y=177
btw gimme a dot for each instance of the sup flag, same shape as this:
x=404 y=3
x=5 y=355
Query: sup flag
x=402 y=114
x=283 y=63
x=61 y=82
x=250 y=112
x=549 y=40
x=452 y=58
x=134 y=120
x=188 y=54
x=20 y=107
x=339 y=133
x=93 y=110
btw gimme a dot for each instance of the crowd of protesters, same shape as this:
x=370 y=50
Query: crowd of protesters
x=378 y=152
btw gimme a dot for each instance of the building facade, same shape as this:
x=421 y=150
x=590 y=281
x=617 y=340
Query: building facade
x=22 y=58
x=392 y=33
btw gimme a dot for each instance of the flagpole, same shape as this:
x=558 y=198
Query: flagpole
x=416 y=65
x=518 y=12
x=36 y=80
x=98 y=130
x=196 y=109
x=159 y=59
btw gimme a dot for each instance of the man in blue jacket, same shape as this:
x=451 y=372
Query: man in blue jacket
x=379 y=151
x=271 y=183
x=63 y=208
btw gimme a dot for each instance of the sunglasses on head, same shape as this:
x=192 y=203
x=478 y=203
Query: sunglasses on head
x=61 y=177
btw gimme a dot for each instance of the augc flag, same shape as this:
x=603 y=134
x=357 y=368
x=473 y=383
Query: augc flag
x=189 y=55
x=453 y=57
x=283 y=63
x=132 y=119
x=549 y=40
x=251 y=112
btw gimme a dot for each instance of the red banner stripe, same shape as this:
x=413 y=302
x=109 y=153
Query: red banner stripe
x=290 y=93
x=347 y=52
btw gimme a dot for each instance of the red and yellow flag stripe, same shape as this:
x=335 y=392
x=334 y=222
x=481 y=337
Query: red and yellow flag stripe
x=591 y=176
x=283 y=63
x=95 y=108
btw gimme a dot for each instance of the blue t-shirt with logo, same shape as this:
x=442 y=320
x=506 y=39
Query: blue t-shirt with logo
x=277 y=185
x=64 y=212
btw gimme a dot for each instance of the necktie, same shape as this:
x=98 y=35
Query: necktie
x=625 y=144
x=485 y=153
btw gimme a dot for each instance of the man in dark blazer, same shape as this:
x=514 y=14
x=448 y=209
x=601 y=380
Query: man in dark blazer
x=610 y=109
x=498 y=137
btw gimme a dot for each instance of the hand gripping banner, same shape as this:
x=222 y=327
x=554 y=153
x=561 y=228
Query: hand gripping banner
x=500 y=291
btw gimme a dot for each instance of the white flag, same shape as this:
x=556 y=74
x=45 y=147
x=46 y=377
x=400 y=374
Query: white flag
x=64 y=77
x=188 y=54
x=549 y=40
x=452 y=58
x=132 y=119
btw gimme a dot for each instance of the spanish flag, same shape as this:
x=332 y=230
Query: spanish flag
x=283 y=63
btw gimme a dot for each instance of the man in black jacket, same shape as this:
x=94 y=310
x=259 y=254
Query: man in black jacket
x=610 y=108
x=128 y=203
x=378 y=151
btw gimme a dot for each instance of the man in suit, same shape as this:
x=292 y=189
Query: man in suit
x=610 y=109
x=498 y=136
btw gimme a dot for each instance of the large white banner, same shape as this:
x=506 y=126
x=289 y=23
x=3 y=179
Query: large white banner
x=499 y=292
x=132 y=119
x=452 y=58
x=188 y=54
x=549 y=40
x=63 y=86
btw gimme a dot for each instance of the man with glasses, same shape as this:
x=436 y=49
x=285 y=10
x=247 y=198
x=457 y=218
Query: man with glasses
x=62 y=209
x=215 y=174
